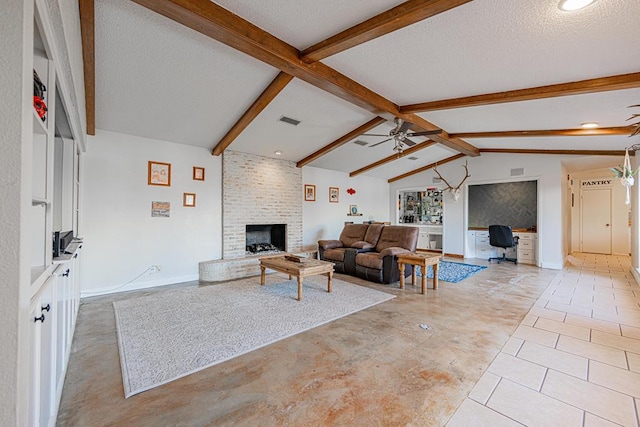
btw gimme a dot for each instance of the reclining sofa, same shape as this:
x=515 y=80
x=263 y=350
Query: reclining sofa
x=370 y=251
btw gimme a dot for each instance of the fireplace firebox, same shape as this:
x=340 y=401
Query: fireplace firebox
x=266 y=238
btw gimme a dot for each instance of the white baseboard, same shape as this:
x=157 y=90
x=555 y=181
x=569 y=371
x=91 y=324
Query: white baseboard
x=551 y=265
x=137 y=286
x=636 y=274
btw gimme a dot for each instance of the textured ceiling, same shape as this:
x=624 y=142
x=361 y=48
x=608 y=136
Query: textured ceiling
x=159 y=79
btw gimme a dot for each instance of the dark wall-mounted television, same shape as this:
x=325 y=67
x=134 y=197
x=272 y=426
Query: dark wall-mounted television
x=61 y=240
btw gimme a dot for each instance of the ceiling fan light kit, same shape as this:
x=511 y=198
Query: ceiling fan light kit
x=400 y=136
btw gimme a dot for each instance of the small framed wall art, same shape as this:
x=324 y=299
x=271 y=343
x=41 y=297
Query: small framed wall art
x=309 y=193
x=353 y=209
x=160 y=209
x=159 y=174
x=189 y=200
x=334 y=194
x=198 y=173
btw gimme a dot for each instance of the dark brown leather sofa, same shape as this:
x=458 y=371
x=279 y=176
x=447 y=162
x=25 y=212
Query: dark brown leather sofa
x=355 y=238
x=369 y=251
x=381 y=264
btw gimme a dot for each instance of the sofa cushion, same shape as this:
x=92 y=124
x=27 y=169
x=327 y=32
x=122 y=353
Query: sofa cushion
x=373 y=234
x=329 y=244
x=398 y=236
x=334 y=254
x=362 y=245
x=352 y=233
x=369 y=260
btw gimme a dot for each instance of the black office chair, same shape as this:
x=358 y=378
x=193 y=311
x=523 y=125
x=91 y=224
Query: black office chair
x=501 y=236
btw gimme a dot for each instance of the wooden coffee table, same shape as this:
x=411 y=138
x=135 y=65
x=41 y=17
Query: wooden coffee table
x=419 y=259
x=307 y=267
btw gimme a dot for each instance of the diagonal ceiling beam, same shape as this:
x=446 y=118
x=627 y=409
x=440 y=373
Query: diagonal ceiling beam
x=602 y=84
x=274 y=88
x=393 y=157
x=400 y=16
x=218 y=23
x=405 y=14
x=341 y=141
x=442 y=138
x=87 y=30
x=425 y=168
x=623 y=130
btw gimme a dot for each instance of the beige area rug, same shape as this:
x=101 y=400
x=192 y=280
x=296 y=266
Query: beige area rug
x=168 y=335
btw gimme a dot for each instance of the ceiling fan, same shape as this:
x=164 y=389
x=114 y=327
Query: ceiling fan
x=400 y=135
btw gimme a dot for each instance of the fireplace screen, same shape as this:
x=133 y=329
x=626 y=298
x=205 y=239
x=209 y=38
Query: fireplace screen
x=266 y=238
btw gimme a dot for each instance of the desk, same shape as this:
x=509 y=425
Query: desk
x=423 y=260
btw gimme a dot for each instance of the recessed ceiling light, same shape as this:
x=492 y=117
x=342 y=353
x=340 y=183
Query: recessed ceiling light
x=278 y=152
x=570 y=5
x=589 y=125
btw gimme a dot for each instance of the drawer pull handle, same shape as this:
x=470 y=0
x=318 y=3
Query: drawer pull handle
x=46 y=307
x=41 y=319
x=66 y=273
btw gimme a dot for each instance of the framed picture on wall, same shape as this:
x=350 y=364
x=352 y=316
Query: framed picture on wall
x=189 y=200
x=159 y=174
x=334 y=194
x=198 y=173
x=309 y=193
x=353 y=209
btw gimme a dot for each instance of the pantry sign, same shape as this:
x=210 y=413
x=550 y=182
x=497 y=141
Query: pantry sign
x=594 y=183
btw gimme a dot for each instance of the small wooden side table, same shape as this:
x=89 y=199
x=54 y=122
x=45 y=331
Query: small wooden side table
x=423 y=260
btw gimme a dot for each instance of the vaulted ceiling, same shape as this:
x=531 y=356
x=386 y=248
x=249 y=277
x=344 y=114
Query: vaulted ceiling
x=495 y=75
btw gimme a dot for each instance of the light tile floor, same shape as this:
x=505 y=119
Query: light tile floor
x=575 y=358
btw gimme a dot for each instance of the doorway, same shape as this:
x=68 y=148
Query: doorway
x=595 y=222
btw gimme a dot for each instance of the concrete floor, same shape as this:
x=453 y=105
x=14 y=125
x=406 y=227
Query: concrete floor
x=374 y=367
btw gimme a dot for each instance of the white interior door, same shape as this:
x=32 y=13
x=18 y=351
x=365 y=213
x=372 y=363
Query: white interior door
x=596 y=221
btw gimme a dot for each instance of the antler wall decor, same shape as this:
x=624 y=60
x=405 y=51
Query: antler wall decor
x=455 y=191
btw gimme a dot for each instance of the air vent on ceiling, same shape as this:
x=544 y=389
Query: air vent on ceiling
x=517 y=172
x=360 y=142
x=412 y=158
x=436 y=180
x=289 y=120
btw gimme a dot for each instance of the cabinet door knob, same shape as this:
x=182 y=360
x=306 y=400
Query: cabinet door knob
x=41 y=319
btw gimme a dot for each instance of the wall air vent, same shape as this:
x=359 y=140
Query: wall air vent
x=412 y=158
x=517 y=172
x=289 y=120
x=360 y=142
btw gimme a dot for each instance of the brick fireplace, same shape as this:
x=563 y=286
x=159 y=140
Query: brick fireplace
x=255 y=190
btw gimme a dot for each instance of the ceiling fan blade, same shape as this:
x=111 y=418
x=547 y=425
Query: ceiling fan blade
x=374 y=134
x=404 y=127
x=378 y=143
x=406 y=141
x=426 y=132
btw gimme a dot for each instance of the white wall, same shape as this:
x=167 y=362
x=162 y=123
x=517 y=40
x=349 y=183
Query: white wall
x=490 y=168
x=324 y=220
x=122 y=240
x=620 y=231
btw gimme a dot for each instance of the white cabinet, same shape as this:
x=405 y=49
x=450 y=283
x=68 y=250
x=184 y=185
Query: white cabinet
x=53 y=314
x=430 y=237
x=526 y=248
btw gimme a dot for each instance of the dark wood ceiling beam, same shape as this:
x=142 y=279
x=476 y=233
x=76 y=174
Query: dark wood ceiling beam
x=218 y=23
x=87 y=31
x=405 y=14
x=393 y=157
x=625 y=130
x=341 y=141
x=274 y=88
x=602 y=84
x=425 y=168
x=565 y=152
